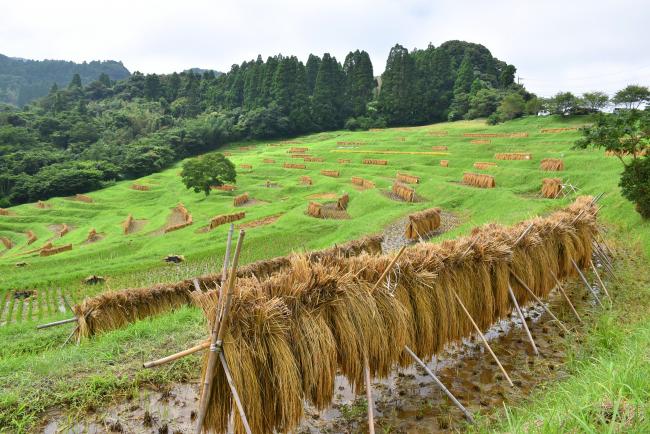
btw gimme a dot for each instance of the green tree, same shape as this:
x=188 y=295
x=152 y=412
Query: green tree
x=563 y=103
x=627 y=135
x=483 y=103
x=397 y=97
x=104 y=79
x=152 y=88
x=206 y=171
x=534 y=106
x=595 y=101
x=512 y=106
x=328 y=99
x=312 y=67
x=75 y=82
x=632 y=96
x=360 y=81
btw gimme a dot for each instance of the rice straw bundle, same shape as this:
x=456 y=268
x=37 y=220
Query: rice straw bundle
x=140 y=187
x=375 y=162
x=246 y=148
x=6 y=241
x=246 y=166
x=513 y=156
x=4 y=211
x=40 y=204
x=294 y=166
x=439 y=148
x=127 y=225
x=225 y=187
x=423 y=222
x=313 y=159
x=297 y=150
x=403 y=192
x=314 y=209
x=83 y=198
x=226 y=218
x=227 y=154
x=240 y=200
x=480 y=141
x=557 y=130
x=363 y=183
x=437 y=133
x=268 y=161
x=479 y=180
x=409 y=179
x=342 y=202
x=444 y=163
x=522 y=134
x=301 y=156
x=306 y=180
x=350 y=143
x=92 y=235
x=639 y=153
x=185 y=217
x=54 y=250
x=331 y=173
x=552 y=165
x=64 y=230
x=343 y=160
x=551 y=187
x=31 y=237
x=482 y=165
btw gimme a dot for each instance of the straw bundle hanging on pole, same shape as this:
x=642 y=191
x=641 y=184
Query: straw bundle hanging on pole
x=422 y=223
x=409 y=179
x=343 y=160
x=297 y=150
x=4 y=211
x=513 y=156
x=314 y=209
x=375 y=162
x=64 y=230
x=331 y=173
x=54 y=250
x=444 y=163
x=439 y=148
x=83 y=198
x=225 y=187
x=127 y=224
x=6 y=241
x=31 y=237
x=314 y=159
x=306 y=180
x=557 y=130
x=246 y=166
x=482 y=165
x=403 y=192
x=240 y=200
x=551 y=188
x=479 y=180
x=226 y=218
x=294 y=166
x=140 y=187
x=363 y=183
x=268 y=161
x=342 y=202
x=552 y=165
x=301 y=156
x=438 y=133
x=185 y=217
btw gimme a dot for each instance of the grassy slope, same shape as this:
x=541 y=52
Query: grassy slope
x=36 y=374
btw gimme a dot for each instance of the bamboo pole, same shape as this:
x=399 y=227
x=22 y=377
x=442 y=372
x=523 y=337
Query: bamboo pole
x=593 y=267
x=523 y=320
x=523 y=234
x=584 y=280
x=202 y=346
x=388 y=268
x=540 y=302
x=197 y=288
x=217 y=338
x=235 y=395
x=56 y=323
x=70 y=335
x=453 y=399
x=371 y=415
x=487 y=345
x=561 y=289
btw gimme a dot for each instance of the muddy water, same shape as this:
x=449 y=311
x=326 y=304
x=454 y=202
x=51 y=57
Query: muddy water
x=406 y=402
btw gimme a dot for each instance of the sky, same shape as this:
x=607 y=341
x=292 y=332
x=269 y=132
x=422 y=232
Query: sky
x=576 y=46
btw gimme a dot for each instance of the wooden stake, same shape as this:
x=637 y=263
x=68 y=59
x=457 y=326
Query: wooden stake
x=235 y=395
x=56 y=323
x=584 y=280
x=523 y=234
x=487 y=345
x=371 y=414
x=217 y=338
x=453 y=399
x=561 y=289
x=70 y=335
x=523 y=320
x=593 y=267
x=197 y=287
x=202 y=346
x=540 y=302
x=388 y=268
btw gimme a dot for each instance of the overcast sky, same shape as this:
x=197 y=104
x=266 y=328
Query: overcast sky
x=555 y=45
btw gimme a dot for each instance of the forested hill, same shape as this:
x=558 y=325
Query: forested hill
x=80 y=137
x=22 y=80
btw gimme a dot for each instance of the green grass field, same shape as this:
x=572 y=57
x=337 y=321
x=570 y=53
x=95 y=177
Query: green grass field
x=35 y=374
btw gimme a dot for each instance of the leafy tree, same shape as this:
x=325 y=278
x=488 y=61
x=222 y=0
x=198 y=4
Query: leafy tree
x=632 y=96
x=206 y=171
x=397 y=90
x=512 y=106
x=360 y=81
x=145 y=157
x=152 y=88
x=328 y=99
x=627 y=135
x=563 y=103
x=312 y=66
x=534 y=106
x=507 y=76
x=75 y=82
x=483 y=103
x=595 y=101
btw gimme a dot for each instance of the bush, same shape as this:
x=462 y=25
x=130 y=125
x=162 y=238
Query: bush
x=635 y=184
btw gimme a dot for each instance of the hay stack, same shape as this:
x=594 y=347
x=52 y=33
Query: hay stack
x=64 y=230
x=408 y=179
x=83 y=198
x=552 y=165
x=313 y=159
x=240 y=200
x=226 y=218
x=40 y=205
x=331 y=173
x=551 y=187
x=438 y=133
x=516 y=135
x=140 y=187
x=480 y=141
x=557 y=130
x=301 y=156
x=246 y=166
x=92 y=236
x=513 y=156
x=294 y=166
x=31 y=237
x=127 y=224
x=54 y=250
x=439 y=148
x=296 y=150
x=343 y=160
x=404 y=192
x=306 y=180
x=321 y=315
x=482 y=165
x=375 y=162
x=314 y=209
x=6 y=241
x=422 y=223
x=479 y=180
x=4 y=211
x=225 y=187
x=268 y=161
x=342 y=202
x=186 y=218
x=363 y=183
x=444 y=163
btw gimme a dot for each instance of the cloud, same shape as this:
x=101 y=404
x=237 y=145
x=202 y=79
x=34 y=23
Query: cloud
x=556 y=45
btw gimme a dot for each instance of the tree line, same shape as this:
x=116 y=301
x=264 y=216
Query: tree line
x=81 y=137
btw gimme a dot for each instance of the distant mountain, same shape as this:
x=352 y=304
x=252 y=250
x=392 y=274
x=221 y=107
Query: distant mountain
x=24 y=80
x=201 y=71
